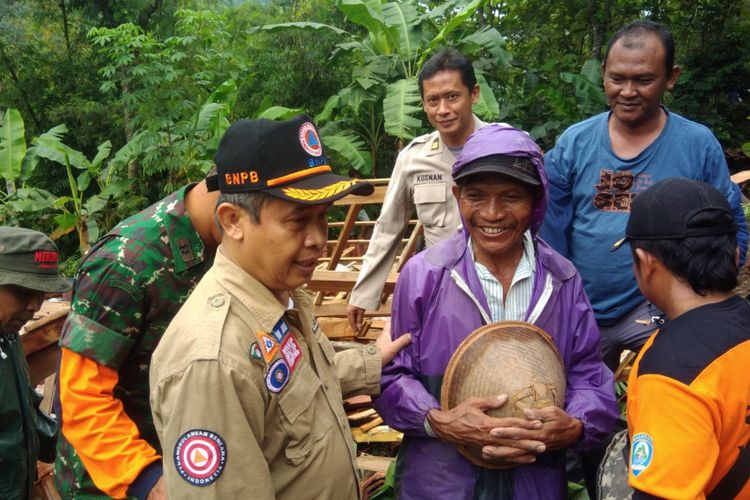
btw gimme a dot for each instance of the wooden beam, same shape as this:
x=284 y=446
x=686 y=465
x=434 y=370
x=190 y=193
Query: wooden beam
x=338 y=310
x=343 y=281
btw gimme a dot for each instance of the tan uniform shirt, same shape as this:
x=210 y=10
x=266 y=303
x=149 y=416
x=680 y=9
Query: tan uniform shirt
x=246 y=395
x=421 y=179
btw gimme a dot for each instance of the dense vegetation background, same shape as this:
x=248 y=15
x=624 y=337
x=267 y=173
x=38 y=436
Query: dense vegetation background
x=107 y=105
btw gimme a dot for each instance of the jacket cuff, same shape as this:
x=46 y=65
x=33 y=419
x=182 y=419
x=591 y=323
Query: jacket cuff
x=142 y=486
x=373 y=368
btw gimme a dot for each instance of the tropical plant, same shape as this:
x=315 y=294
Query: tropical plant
x=74 y=211
x=381 y=104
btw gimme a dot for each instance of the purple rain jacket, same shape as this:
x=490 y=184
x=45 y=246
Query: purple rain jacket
x=440 y=301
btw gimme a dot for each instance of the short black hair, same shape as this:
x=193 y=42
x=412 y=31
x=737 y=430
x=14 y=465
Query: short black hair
x=707 y=263
x=448 y=59
x=643 y=27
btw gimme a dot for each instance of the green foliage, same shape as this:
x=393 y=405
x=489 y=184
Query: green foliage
x=12 y=145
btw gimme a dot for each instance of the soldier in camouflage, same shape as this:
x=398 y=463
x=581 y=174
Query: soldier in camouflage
x=127 y=289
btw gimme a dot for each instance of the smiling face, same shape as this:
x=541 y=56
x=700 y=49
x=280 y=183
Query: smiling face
x=447 y=103
x=496 y=211
x=635 y=79
x=282 y=248
x=17 y=306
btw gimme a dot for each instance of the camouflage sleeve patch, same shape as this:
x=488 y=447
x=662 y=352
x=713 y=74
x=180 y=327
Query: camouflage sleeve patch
x=93 y=340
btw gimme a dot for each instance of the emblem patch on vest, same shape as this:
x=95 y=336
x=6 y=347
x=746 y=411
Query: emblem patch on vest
x=277 y=376
x=255 y=351
x=280 y=330
x=291 y=352
x=268 y=346
x=641 y=453
x=200 y=456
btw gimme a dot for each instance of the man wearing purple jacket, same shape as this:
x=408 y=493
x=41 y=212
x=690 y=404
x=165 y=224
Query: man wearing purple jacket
x=495 y=269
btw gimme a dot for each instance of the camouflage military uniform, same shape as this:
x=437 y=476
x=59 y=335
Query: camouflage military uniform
x=127 y=290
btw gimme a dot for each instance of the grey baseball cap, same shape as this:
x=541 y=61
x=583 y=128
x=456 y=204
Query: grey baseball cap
x=29 y=259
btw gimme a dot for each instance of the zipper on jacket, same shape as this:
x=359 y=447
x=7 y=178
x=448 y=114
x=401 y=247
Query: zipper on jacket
x=463 y=286
x=543 y=299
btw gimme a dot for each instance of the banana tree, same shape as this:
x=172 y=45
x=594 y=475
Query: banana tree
x=381 y=103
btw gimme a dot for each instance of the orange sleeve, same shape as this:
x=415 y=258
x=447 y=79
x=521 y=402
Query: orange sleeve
x=95 y=423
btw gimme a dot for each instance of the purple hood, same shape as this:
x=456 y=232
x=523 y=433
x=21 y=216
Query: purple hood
x=497 y=139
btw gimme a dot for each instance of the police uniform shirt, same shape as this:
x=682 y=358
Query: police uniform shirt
x=689 y=406
x=246 y=396
x=421 y=179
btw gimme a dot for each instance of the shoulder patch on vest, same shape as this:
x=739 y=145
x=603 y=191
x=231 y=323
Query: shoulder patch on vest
x=200 y=456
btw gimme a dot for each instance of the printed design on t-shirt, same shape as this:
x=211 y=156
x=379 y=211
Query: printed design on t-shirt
x=616 y=189
x=641 y=454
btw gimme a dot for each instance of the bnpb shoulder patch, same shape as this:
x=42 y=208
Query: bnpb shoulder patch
x=200 y=456
x=277 y=376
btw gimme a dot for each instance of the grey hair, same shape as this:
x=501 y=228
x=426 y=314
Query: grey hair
x=251 y=202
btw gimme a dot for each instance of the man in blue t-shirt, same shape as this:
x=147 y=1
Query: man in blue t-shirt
x=600 y=164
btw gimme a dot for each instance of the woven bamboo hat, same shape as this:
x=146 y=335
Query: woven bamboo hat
x=509 y=357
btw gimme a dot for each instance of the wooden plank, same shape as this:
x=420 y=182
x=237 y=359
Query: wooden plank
x=336 y=328
x=741 y=177
x=371 y=424
x=374 y=463
x=42 y=363
x=380 y=434
x=338 y=310
x=377 y=196
x=359 y=415
x=39 y=334
x=343 y=281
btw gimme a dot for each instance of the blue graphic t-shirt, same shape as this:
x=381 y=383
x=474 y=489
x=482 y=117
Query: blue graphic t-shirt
x=590 y=191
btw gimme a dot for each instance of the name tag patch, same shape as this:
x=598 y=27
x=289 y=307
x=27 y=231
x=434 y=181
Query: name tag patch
x=200 y=456
x=277 y=376
x=641 y=453
x=430 y=177
x=291 y=352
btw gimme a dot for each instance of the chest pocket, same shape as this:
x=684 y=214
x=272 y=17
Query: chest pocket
x=297 y=403
x=430 y=202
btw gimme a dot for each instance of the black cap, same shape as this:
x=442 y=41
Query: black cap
x=285 y=159
x=664 y=211
x=517 y=167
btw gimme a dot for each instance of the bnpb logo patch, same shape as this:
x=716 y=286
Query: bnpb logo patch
x=308 y=138
x=200 y=456
x=277 y=376
x=641 y=453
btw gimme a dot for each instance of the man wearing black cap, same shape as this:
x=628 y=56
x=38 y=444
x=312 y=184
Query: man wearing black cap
x=245 y=387
x=689 y=390
x=28 y=270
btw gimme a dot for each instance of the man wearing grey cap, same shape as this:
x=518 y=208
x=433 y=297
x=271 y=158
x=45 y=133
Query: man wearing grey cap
x=28 y=270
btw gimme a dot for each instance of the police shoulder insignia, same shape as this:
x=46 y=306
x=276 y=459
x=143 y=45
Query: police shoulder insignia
x=280 y=330
x=200 y=456
x=277 y=376
x=255 y=351
x=268 y=346
x=641 y=453
x=291 y=352
x=435 y=144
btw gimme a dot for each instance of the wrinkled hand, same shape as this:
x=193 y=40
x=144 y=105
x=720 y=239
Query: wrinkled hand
x=558 y=430
x=388 y=347
x=159 y=491
x=355 y=315
x=467 y=424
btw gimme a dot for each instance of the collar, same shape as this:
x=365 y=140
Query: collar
x=254 y=295
x=436 y=146
x=528 y=257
